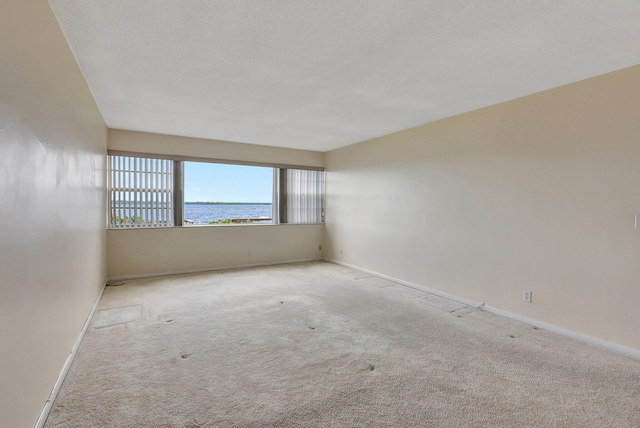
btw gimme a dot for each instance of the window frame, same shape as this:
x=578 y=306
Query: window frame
x=178 y=187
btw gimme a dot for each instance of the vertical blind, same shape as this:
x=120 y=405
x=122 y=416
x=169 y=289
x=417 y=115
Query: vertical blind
x=303 y=196
x=140 y=192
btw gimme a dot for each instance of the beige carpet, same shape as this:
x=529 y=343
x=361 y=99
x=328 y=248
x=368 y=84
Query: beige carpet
x=320 y=345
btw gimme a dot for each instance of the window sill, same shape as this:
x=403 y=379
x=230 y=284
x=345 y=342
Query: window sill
x=198 y=226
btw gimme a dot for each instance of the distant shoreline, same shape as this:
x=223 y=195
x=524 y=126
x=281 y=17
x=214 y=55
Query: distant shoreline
x=125 y=204
x=227 y=203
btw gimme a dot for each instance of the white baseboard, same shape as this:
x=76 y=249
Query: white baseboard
x=620 y=349
x=67 y=365
x=210 y=269
x=410 y=284
x=615 y=347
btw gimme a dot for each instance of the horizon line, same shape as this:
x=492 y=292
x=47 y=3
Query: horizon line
x=227 y=203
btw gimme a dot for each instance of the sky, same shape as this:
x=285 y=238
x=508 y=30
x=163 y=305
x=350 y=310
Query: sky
x=212 y=182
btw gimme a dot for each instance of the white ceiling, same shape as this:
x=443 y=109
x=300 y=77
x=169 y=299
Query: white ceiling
x=319 y=75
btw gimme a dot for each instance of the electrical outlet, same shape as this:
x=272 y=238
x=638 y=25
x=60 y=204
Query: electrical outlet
x=249 y=253
x=527 y=296
x=341 y=251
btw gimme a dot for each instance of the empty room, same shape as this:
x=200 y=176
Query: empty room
x=319 y=214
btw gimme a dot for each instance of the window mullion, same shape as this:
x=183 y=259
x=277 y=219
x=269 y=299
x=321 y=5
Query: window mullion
x=178 y=193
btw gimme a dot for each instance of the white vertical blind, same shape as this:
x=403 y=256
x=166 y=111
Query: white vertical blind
x=140 y=192
x=304 y=196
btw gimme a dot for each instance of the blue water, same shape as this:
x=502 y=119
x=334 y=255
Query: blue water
x=203 y=214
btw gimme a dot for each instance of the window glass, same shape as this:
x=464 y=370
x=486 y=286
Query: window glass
x=227 y=194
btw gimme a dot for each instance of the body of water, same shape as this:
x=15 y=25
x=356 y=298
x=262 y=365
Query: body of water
x=203 y=214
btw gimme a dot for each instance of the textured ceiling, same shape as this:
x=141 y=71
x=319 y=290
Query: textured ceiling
x=324 y=74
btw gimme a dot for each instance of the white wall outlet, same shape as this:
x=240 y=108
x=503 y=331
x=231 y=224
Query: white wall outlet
x=527 y=296
x=249 y=253
x=637 y=222
x=341 y=251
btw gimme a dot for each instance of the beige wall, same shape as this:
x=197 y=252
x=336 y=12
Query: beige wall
x=143 y=142
x=52 y=237
x=538 y=193
x=150 y=251
x=140 y=252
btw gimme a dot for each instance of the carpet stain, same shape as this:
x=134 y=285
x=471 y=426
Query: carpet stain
x=512 y=336
x=185 y=356
x=116 y=316
x=371 y=367
x=312 y=328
